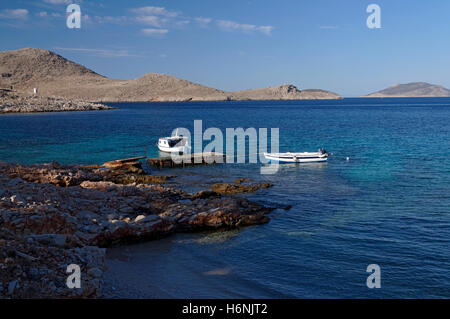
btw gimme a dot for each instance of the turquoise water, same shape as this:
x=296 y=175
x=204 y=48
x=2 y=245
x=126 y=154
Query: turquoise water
x=388 y=205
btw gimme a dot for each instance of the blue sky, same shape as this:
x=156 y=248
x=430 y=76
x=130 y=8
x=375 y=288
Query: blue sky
x=238 y=44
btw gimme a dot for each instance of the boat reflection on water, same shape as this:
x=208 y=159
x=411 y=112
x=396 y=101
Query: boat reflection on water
x=284 y=167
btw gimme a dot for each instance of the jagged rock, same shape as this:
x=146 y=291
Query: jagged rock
x=148 y=219
x=11 y=287
x=62 y=214
x=50 y=239
x=226 y=188
x=241 y=180
x=86 y=214
x=204 y=195
x=2 y=192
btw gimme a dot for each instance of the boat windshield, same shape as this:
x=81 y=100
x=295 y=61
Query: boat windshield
x=176 y=142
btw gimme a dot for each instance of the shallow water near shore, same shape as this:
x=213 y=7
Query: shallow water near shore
x=388 y=205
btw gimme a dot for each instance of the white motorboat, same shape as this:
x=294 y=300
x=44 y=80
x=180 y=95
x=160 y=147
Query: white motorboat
x=174 y=144
x=306 y=157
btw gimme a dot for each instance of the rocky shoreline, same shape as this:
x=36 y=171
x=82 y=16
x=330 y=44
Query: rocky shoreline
x=52 y=216
x=14 y=102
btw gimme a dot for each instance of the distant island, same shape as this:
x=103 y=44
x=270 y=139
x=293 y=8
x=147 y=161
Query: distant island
x=55 y=76
x=414 y=89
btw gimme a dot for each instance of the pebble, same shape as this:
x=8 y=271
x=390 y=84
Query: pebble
x=138 y=218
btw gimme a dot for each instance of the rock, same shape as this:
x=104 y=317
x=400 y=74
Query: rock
x=204 y=195
x=16 y=199
x=33 y=273
x=11 y=287
x=15 y=102
x=14 y=181
x=112 y=216
x=95 y=272
x=73 y=208
x=51 y=239
x=139 y=218
x=125 y=209
x=241 y=180
x=101 y=186
x=85 y=214
x=27 y=257
x=116 y=165
x=92 y=229
x=149 y=219
x=238 y=188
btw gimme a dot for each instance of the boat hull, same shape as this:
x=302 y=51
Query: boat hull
x=295 y=159
x=176 y=149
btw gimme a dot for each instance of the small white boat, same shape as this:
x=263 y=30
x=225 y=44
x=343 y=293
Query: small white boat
x=174 y=144
x=307 y=157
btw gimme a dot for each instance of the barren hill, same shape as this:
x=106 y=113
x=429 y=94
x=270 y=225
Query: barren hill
x=414 y=89
x=31 y=67
x=283 y=92
x=54 y=75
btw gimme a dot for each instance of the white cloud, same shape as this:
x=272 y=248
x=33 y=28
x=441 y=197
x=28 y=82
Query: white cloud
x=157 y=21
x=227 y=25
x=157 y=17
x=329 y=27
x=153 y=21
x=110 y=19
x=14 y=14
x=203 y=20
x=48 y=15
x=154 y=32
x=59 y=1
x=155 y=11
x=182 y=23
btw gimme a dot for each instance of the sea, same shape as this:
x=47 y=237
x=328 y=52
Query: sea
x=382 y=199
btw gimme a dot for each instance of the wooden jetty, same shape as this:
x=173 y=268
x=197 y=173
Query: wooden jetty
x=188 y=160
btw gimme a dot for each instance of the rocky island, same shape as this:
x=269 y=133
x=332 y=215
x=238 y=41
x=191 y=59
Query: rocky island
x=414 y=89
x=284 y=92
x=53 y=75
x=52 y=216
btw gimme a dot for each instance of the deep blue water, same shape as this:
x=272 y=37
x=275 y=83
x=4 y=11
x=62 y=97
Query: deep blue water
x=388 y=205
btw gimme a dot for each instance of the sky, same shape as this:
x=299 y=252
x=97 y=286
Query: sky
x=238 y=44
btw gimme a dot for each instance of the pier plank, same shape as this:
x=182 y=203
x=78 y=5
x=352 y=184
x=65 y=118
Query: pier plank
x=187 y=160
